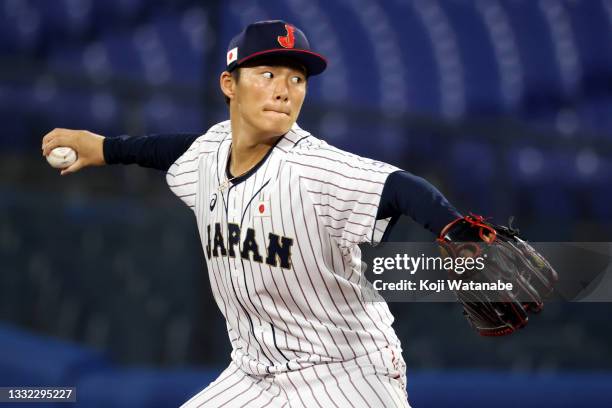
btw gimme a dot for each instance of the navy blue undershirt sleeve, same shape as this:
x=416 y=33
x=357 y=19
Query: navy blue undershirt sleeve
x=154 y=151
x=406 y=194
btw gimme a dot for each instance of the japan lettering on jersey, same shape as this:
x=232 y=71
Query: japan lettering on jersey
x=281 y=248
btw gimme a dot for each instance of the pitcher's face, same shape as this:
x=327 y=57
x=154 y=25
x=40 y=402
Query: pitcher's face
x=268 y=98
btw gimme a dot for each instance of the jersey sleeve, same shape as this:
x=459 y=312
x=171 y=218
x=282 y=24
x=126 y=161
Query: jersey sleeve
x=183 y=175
x=345 y=190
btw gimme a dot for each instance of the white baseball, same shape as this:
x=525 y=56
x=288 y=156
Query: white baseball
x=61 y=157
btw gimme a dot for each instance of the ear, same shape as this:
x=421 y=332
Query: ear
x=227 y=84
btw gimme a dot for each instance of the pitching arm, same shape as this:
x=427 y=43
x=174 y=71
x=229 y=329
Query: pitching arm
x=157 y=151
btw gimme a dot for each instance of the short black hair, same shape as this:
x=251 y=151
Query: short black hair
x=271 y=60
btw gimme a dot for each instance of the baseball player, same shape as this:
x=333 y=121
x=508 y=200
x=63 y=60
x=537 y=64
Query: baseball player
x=280 y=215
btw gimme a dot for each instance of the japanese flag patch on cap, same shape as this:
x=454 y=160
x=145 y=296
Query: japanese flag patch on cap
x=232 y=55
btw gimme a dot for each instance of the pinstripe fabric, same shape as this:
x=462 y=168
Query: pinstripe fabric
x=352 y=383
x=359 y=382
x=284 y=264
x=235 y=388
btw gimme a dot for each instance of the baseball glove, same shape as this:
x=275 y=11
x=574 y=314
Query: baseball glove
x=506 y=258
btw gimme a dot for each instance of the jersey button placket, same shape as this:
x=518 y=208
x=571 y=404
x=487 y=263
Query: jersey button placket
x=237 y=277
x=232 y=217
x=232 y=214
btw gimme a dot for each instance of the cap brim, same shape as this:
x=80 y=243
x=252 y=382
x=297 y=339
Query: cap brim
x=313 y=62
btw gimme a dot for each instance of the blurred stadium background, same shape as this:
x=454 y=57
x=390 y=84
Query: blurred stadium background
x=505 y=105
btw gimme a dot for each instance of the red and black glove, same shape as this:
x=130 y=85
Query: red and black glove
x=506 y=258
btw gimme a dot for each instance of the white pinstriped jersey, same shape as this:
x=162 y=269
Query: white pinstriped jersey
x=281 y=247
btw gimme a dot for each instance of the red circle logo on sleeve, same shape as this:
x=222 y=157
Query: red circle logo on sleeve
x=262 y=208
